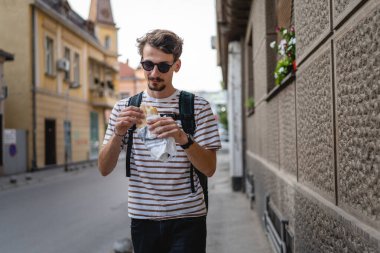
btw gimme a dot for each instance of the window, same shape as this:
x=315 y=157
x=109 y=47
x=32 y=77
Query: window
x=107 y=42
x=67 y=57
x=249 y=71
x=49 y=56
x=250 y=67
x=76 y=68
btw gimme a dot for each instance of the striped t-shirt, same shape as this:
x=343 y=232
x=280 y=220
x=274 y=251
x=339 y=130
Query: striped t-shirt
x=162 y=190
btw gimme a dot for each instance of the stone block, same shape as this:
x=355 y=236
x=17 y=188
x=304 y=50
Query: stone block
x=341 y=8
x=357 y=85
x=260 y=182
x=318 y=228
x=312 y=24
x=315 y=139
x=260 y=73
x=272 y=132
x=286 y=194
x=259 y=129
x=287 y=130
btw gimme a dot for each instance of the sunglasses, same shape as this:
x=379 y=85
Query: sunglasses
x=163 y=67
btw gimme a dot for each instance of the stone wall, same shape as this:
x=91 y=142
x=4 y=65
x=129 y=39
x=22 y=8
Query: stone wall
x=357 y=86
x=314 y=146
x=315 y=140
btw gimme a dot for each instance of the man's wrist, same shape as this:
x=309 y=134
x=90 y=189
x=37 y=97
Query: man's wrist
x=117 y=134
x=183 y=139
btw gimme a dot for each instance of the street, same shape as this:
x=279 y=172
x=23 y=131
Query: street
x=79 y=211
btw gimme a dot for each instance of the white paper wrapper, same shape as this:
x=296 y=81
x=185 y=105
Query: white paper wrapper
x=161 y=149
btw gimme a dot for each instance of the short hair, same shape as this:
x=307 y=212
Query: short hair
x=165 y=40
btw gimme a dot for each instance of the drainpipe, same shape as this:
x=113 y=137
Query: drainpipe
x=34 y=115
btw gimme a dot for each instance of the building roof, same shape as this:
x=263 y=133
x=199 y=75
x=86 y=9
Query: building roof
x=125 y=70
x=101 y=12
x=6 y=55
x=62 y=7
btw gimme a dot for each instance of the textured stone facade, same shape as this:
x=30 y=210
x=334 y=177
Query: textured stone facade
x=342 y=7
x=272 y=134
x=312 y=24
x=320 y=229
x=315 y=140
x=260 y=142
x=314 y=145
x=358 y=115
x=287 y=129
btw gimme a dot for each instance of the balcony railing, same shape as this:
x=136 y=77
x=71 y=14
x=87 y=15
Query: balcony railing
x=103 y=97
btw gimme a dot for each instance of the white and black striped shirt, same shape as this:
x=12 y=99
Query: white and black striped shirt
x=161 y=190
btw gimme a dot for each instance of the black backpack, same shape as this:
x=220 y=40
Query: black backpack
x=186 y=115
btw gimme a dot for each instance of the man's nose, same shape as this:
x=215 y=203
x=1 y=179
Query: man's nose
x=155 y=71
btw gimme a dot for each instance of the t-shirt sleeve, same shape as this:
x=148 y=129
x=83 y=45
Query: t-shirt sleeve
x=112 y=121
x=206 y=133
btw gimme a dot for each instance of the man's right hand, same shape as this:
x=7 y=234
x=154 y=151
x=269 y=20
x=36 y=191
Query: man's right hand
x=127 y=118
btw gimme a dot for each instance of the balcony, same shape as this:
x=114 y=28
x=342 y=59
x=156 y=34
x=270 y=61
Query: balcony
x=103 y=95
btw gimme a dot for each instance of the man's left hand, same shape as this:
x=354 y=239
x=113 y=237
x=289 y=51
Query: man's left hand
x=165 y=127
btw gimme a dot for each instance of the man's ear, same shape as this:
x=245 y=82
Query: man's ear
x=177 y=65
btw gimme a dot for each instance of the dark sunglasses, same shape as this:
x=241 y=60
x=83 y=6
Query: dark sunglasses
x=163 y=67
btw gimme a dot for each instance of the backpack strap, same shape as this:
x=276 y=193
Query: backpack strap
x=186 y=115
x=135 y=101
x=186 y=112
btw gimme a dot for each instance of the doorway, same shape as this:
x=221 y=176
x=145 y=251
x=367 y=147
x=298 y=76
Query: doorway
x=50 y=142
x=67 y=136
x=94 y=135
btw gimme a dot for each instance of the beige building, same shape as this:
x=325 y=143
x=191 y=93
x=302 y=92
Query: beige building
x=65 y=79
x=310 y=147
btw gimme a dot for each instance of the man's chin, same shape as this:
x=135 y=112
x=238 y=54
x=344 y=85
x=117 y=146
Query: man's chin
x=156 y=87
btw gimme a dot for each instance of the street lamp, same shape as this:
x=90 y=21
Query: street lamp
x=71 y=86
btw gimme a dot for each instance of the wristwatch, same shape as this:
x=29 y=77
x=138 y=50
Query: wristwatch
x=190 y=141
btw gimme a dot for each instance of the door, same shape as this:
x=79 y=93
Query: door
x=67 y=136
x=1 y=140
x=50 y=142
x=94 y=135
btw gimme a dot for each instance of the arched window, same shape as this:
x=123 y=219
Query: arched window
x=107 y=42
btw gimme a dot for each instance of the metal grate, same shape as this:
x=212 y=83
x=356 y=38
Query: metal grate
x=251 y=189
x=279 y=234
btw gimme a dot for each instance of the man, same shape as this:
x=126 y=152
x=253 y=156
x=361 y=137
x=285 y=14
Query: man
x=167 y=216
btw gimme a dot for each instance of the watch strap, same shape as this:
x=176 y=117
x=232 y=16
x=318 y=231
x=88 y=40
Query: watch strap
x=190 y=141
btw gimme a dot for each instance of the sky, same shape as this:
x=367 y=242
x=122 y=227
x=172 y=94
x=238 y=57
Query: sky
x=194 y=21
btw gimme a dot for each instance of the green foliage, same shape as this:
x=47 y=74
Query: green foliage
x=250 y=103
x=283 y=68
x=286 y=49
x=223 y=118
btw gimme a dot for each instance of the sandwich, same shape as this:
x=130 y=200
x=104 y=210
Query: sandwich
x=149 y=111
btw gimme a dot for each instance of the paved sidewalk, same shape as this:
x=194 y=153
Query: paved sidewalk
x=30 y=178
x=46 y=175
x=232 y=226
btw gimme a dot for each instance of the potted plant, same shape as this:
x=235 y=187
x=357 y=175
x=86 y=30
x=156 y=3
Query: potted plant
x=250 y=105
x=286 y=49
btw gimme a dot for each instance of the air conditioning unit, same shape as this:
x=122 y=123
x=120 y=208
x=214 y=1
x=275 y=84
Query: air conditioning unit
x=63 y=64
x=74 y=85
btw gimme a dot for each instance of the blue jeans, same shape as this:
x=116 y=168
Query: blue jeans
x=185 y=235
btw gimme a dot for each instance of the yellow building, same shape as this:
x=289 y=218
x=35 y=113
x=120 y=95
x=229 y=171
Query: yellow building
x=64 y=80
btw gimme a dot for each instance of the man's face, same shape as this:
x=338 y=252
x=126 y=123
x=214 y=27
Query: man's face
x=158 y=81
